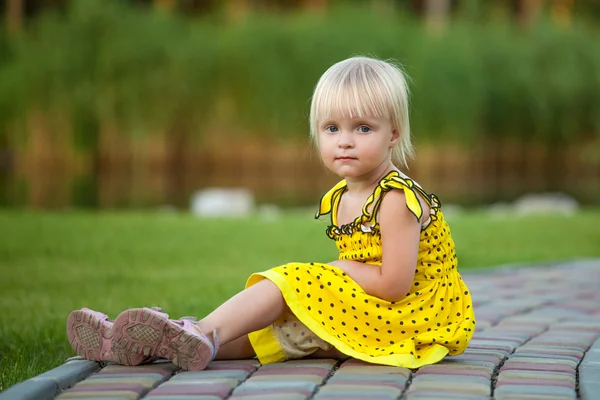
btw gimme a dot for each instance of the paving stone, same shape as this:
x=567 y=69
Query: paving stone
x=442 y=379
x=322 y=372
x=450 y=368
x=519 y=338
x=336 y=389
x=589 y=390
x=276 y=396
x=240 y=375
x=218 y=390
x=352 y=396
x=162 y=369
x=543 y=361
x=438 y=370
x=534 y=382
x=550 y=357
x=97 y=398
x=157 y=377
x=311 y=361
x=119 y=394
x=543 y=375
x=467 y=358
x=395 y=384
x=171 y=397
x=209 y=381
x=493 y=344
x=561 y=342
x=424 y=395
x=509 y=365
x=478 y=388
x=31 y=389
x=353 y=362
x=129 y=387
x=397 y=378
x=501 y=355
x=289 y=364
x=271 y=393
x=551 y=350
x=549 y=392
x=592 y=357
x=147 y=383
x=48 y=384
x=279 y=386
x=280 y=378
x=467 y=363
x=243 y=367
x=250 y=361
x=373 y=369
x=589 y=373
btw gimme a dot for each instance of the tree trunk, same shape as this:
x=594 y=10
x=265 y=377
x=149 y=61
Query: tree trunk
x=236 y=9
x=527 y=11
x=436 y=15
x=314 y=5
x=167 y=5
x=14 y=16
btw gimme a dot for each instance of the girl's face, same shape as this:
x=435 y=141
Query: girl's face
x=356 y=147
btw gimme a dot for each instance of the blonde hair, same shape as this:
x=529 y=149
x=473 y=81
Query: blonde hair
x=364 y=87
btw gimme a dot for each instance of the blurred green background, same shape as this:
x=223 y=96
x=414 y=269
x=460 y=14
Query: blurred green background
x=114 y=109
x=140 y=103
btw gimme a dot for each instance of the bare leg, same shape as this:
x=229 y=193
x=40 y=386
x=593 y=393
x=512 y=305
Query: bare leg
x=250 y=310
x=239 y=348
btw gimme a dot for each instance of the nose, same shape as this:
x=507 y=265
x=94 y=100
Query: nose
x=345 y=140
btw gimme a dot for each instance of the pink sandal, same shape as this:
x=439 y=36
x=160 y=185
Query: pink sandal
x=90 y=334
x=152 y=334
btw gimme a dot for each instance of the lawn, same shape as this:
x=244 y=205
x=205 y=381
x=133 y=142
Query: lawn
x=52 y=263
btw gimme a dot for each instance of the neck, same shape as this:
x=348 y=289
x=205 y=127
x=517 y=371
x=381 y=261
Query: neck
x=366 y=182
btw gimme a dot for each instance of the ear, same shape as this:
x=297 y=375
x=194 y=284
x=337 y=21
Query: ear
x=394 y=138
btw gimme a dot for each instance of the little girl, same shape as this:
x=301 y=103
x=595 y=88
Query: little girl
x=393 y=297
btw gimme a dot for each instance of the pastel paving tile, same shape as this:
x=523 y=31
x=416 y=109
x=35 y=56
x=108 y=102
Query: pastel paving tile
x=534 y=382
x=239 y=375
x=282 y=386
x=543 y=392
x=121 y=395
x=302 y=378
x=482 y=388
x=275 y=396
x=218 y=390
x=348 y=389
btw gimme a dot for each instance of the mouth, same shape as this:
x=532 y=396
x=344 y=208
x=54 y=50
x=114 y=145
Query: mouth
x=345 y=158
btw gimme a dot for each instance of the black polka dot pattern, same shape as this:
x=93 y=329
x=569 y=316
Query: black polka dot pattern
x=435 y=318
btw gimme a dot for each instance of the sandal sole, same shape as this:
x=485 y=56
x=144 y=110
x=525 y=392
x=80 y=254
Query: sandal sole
x=150 y=333
x=86 y=333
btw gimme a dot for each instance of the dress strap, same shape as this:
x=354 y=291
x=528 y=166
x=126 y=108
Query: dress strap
x=330 y=200
x=394 y=181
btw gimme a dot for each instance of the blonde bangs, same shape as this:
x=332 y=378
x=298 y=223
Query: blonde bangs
x=349 y=96
x=364 y=87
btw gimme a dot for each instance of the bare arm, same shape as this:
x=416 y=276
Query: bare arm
x=400 y=233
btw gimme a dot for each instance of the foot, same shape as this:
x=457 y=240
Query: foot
x=90 y=334
x=152 y=334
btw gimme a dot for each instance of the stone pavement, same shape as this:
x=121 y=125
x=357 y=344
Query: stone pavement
x=537 y=337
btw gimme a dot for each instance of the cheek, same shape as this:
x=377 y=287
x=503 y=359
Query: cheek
x=325 y=147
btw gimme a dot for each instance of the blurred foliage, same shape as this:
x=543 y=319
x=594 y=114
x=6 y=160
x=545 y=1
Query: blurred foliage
x=149 y=71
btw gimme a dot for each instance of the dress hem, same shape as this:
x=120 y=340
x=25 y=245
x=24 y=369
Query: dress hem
x=272 y=351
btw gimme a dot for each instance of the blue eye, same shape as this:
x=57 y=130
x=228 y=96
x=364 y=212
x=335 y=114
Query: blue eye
x=332 y=128
x=364 y=129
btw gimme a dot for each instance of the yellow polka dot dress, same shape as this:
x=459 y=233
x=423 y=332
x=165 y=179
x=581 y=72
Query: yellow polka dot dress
x=434 y=319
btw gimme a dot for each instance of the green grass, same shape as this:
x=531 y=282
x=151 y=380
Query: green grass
x=52 y=263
